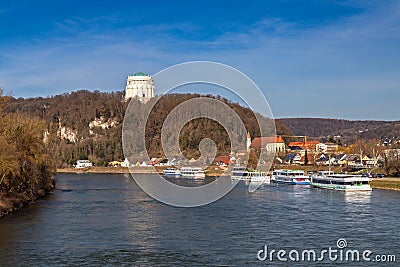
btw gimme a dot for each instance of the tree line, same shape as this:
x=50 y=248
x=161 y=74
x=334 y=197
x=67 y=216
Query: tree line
x=26 y=167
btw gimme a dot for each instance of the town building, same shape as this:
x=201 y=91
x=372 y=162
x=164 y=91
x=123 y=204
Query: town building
x=354 y=160
x=126 y=163
x=327 y=147
x=248 y=142
x=392 y=153
x=80 y=164
x=293 y=158
x=341 y=159
x=270 y=144
x=222 y=160
x=309 y=145
x=139 y=86
x=369 y=161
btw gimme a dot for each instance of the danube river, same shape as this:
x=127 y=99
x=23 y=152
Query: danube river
x=107 y=220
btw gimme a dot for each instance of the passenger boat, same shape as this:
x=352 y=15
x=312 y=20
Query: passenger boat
x=192 y=172
x=240 y=173
x=171 y=172
x=290 y=177
x=341 y=182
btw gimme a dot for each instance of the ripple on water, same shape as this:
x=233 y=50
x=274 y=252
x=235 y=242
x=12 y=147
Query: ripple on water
x=97 y=220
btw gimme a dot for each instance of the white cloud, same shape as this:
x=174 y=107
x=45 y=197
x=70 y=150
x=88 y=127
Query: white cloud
x=357 y=56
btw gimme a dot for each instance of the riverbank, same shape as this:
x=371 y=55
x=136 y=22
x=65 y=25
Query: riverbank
x=380 y=183
x=109 y=170
x=386 y=183
x=213 y=172
x=16 y=201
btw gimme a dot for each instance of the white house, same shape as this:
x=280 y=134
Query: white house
x=80 y=164
x=126 y=163
x=327 y=147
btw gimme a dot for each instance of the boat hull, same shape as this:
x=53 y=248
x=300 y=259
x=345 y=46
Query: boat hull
x=292 y=182
x=193 y=176
x=171 y=175
x=192 y=173
x=250 y=176
x=341 y=188
x=293 y=177
x=341 y=182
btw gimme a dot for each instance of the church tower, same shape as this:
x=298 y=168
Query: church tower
x=248 y=141
x=139 y=85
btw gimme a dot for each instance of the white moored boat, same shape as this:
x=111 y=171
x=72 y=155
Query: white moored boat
x=290 y=177
x=171 y=172
x=192 y=172
x=240 y=173
x=341 y=182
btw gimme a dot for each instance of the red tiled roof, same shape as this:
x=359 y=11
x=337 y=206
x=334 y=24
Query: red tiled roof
x=308 y=144
x=224 y=159
x=261 y=142
x=299 y=144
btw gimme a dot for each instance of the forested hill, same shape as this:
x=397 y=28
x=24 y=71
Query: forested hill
x=88 y=125
x=80 y=125
x=347 y=130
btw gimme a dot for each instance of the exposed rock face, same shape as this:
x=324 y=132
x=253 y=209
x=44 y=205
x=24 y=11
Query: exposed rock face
x=102 y=123
x=66 y=133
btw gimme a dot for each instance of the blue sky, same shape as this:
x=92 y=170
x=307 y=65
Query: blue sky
x=336 y=59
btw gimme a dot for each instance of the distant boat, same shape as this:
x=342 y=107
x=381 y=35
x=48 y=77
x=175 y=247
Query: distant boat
x=291 y=177
x=341 y=182
x=242 y=174
x=171 y=172
x=192 y=172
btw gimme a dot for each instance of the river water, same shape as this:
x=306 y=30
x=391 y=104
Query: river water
x=108 y=220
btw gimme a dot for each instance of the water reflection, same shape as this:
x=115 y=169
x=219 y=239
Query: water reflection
x=102 y=220
x=363 y=197
x=187 y=182
x=358 y=197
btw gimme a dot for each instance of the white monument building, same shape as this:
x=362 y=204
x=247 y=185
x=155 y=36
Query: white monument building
x=139 y=85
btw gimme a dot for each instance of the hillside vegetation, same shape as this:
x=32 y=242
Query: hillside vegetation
x=26 y=169
x=88 y=125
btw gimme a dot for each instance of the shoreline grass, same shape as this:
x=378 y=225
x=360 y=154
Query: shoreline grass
x=386 y=184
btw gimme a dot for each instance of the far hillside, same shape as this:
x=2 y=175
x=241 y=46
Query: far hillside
x=347 y=131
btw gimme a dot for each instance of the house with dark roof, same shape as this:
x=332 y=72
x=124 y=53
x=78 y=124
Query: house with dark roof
x=293 y=158
x=294 y=148
x=354 y=160
x=323 y=160
x=341 y=159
